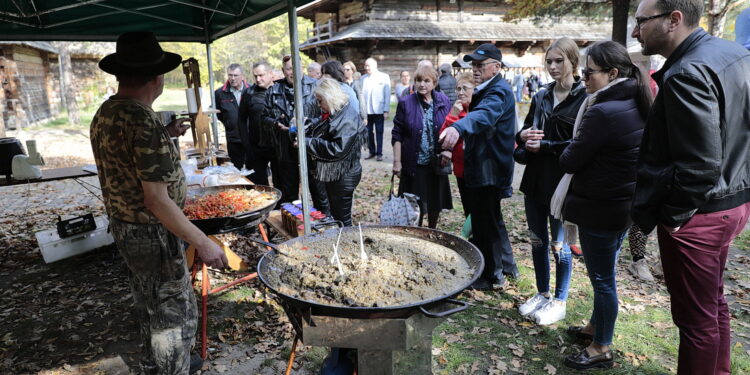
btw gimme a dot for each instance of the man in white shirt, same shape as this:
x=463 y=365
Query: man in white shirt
x=376 y=92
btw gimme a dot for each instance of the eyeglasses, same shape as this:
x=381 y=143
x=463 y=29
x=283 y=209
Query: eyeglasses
x=639 y=21
x=464 y=89
x=481 y=65
x=588 y=72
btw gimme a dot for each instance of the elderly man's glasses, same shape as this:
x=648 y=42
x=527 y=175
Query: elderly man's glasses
x=639 y=21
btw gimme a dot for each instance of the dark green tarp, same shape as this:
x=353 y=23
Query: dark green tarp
x=103 y=20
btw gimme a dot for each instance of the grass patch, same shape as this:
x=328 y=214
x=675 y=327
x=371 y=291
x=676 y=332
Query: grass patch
x=742 y=241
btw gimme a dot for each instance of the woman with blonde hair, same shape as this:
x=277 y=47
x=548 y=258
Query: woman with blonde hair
x=333 y=144
x=547 y=130
x=416 y=151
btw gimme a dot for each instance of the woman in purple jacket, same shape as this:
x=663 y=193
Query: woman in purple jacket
x=415 y=144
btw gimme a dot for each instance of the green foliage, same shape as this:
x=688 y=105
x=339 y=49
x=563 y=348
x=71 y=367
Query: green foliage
x=550 y=10
x=267 y=41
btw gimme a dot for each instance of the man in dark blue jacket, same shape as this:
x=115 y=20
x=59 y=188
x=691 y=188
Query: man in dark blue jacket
x=488 y=132
x=694 y=171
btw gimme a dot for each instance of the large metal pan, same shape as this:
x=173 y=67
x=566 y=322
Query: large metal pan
x=465 y=249
x=239 y=220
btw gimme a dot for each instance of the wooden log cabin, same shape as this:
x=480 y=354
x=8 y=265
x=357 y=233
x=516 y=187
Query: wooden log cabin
x=399 y=33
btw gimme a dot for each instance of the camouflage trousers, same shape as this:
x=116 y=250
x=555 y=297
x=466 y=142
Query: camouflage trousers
x=163 y=295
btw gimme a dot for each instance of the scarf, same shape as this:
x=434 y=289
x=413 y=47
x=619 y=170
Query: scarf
x=558 y=199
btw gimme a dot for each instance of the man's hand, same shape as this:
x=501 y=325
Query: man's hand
x=177 y=127
x=211 y=254
x=448 y=138
x=385 y=115
x=282 y=127
x=397 y=168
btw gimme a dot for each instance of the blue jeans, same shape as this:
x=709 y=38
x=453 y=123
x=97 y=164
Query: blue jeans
x=600 y=251
x=375 y=141
x=537 y=214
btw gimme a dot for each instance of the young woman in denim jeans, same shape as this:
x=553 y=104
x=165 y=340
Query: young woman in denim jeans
x=600 y=163
x=547 y=130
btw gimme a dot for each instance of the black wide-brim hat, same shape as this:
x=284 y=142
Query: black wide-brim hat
x=138 y=53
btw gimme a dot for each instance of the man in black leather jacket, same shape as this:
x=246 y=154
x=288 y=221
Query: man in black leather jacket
x=260 y=153
x=277 y=116
x=694 y=171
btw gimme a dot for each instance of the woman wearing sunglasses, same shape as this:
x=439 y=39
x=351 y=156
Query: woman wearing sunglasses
x=547 y=130
x=600 y=167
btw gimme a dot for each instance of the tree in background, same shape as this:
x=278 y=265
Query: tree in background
x=69 y=89
x=267 y=41
x=617 y=10
x=717 y=12
x=594 y=10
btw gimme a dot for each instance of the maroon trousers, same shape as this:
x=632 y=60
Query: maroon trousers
x=693 y=259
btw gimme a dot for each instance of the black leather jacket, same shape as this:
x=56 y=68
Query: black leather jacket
x=695 y=155
x=542 y=172
x=279 y=108
x=334 y=144
x=251 y=112
x=228 y=115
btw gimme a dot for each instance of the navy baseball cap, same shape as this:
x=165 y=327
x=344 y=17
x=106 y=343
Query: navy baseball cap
x=483 y=52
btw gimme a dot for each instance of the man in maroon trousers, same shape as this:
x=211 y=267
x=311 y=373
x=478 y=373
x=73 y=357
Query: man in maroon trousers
x=694 y=171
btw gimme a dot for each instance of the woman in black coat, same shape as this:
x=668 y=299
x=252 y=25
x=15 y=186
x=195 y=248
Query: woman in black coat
x=600 y=163
x=546 y=132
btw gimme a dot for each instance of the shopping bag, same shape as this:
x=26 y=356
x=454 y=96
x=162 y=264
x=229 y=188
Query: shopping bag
x=400 y=209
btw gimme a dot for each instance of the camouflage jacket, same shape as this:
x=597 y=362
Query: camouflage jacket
x=131 y=145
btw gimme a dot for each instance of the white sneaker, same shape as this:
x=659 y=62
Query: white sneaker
x=551 y=312
x=532 y=304
x=640 y=270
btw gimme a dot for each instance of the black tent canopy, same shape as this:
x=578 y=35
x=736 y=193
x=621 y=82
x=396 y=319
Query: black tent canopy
x=171 y=20
x=103 y=20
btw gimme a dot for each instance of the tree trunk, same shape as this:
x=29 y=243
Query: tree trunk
x=620 y=10
x=67 y=82
x=717 y=11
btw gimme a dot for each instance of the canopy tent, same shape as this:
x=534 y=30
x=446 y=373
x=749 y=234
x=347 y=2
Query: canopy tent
x=171 y=20
x=103 y=20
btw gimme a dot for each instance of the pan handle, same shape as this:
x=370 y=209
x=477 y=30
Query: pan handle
x=264 y=243
x=461 y=306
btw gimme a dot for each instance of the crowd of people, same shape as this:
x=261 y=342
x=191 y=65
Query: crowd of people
x=603 y=160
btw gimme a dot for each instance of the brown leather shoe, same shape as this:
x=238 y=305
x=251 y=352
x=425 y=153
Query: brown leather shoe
x=583 y=361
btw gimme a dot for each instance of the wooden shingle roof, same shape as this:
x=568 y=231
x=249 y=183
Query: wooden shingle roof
x=466 y=31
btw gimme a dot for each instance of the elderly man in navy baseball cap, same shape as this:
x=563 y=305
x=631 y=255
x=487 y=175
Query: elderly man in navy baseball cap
x=488 y=132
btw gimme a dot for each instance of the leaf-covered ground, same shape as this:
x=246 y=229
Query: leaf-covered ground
x=75 y=316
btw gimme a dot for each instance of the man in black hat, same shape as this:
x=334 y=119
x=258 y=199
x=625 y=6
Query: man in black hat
x=144 y=188
x=488 y=133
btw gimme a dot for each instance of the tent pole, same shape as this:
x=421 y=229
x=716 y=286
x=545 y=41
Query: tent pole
x=214 y=123
x=299 y=113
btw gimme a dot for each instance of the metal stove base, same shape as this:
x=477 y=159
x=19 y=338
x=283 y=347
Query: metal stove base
x=384 y=346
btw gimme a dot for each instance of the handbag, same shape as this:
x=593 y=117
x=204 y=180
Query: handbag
x=438 y=169
x=400 y=210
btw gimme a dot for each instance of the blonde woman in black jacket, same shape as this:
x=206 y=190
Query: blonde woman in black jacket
x=547 y=131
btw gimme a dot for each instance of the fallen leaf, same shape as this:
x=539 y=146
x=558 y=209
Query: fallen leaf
x=551 y=370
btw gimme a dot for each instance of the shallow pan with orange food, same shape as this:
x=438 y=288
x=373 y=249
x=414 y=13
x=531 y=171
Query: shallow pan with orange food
x=223 y=209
